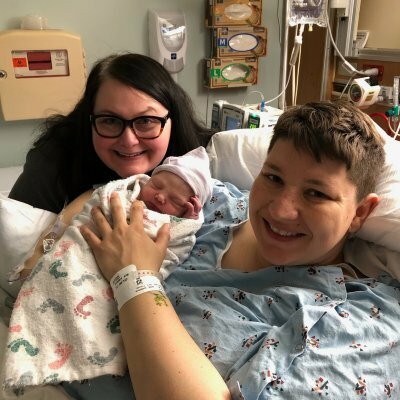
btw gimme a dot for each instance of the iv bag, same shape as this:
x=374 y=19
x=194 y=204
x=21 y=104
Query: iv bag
x=308 y=12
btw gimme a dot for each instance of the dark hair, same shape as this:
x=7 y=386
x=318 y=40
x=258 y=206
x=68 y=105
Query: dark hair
x=337 y=130
x=78 y=163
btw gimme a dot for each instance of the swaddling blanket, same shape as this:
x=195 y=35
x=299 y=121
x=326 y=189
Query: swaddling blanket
x=64 y=325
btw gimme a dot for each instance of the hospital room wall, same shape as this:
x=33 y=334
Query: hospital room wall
x=111 y=26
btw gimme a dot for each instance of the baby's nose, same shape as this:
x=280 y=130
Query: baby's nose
x=160 y=198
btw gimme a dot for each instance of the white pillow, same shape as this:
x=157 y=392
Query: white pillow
x=383 y=225
x=236 y=156
x=8 y=175
x=20 y=227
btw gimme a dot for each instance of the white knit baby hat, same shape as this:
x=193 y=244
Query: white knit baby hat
x=194 y=168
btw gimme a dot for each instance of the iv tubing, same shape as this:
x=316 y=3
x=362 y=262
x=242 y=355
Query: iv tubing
x=345 y=62
x=283 y=90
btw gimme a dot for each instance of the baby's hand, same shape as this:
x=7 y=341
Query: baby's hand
x=193 y=207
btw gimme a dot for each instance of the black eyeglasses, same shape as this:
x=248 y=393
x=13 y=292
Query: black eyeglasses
x=145 y=126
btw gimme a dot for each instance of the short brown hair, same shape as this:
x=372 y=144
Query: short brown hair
x=337 y=130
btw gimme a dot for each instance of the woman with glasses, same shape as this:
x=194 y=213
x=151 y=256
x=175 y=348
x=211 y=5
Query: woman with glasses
x=131 y=116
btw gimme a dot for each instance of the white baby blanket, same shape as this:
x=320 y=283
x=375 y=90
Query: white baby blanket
x=64 y=325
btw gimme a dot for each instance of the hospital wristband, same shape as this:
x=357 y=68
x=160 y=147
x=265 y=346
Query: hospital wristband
x=129 y=283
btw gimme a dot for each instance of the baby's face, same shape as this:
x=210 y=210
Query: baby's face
x=166 y=193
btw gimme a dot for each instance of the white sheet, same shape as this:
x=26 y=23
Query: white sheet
x=8 y=175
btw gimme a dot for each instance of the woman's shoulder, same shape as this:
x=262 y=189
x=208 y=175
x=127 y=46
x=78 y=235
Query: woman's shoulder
x=39 y=184
x=227 y=207
x=53 y=143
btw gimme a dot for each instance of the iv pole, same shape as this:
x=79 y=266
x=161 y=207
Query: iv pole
x=284 y=56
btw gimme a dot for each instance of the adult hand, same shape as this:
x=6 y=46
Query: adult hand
x=124 y=243
x=193 y=207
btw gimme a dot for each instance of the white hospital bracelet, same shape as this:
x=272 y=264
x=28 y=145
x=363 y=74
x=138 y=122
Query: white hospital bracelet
x=129 y=283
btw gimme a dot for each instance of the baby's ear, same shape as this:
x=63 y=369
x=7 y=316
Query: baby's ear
x=364 y=209
x=196 y=204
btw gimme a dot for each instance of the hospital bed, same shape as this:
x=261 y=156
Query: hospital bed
x=235 y=156
x=8 y=176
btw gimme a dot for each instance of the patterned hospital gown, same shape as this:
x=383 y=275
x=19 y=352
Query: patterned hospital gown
x=283 y=332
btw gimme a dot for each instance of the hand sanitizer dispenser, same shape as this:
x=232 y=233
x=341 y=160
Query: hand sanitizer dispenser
x=168 y=39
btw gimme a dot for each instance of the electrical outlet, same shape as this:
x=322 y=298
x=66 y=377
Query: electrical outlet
x=380 y=69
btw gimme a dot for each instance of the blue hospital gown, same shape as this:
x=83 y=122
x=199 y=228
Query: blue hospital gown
x=283 y=332
x=289 y=332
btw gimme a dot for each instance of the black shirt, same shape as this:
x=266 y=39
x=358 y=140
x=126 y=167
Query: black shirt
x=54 y=175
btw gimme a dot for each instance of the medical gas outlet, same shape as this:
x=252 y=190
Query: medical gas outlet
x=42 y=72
